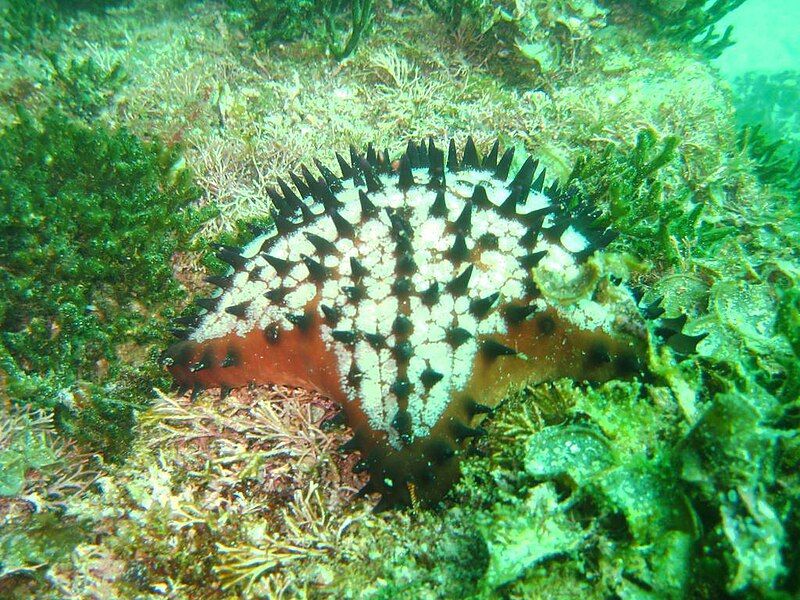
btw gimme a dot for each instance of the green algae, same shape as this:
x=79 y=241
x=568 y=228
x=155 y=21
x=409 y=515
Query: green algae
x=776 y=163
x=689 y=21
x=40 y=540
x=622 y=180
x=90 y=219
x=27 y=450
x=270 y=21
x=518 y=540
x=83 y=87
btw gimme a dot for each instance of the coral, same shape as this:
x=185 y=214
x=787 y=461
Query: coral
x=518 y=540
x=525 y=40
x=85 y=205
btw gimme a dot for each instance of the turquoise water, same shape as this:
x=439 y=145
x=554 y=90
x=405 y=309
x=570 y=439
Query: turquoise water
x=767 y=38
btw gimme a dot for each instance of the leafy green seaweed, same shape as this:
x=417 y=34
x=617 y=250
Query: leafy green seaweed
x=90 y=220
x=23 y=23
x=624 y=183
x=689 y=21
x=775 y=164
x=82 y=87
x=453 y=11
x=270 y=21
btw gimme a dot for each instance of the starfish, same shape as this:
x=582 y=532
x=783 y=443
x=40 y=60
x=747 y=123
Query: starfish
x=414 y=294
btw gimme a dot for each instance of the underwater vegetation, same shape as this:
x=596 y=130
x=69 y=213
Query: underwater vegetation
x=679 y=482
x=90 y=219
x=689 y=21
x=83 y=87
x=23 y=23
x=776 y=163
x=341 y=23
x=453 y=11
x=539 y=31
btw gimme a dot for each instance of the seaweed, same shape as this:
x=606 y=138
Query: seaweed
x=771 y=100
x=625 y=183
x=84 y=88
x=775 y=163
x=452 y=11
x=90 y=220
x=688 y=21
x=24 y=23
x=360 y=20
x=28 y=546
x=270 y=21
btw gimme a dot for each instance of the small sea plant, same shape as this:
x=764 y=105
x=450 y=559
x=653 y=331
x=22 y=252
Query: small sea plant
x=453 y=11
x=360 y=20
x=90 y=219
x=339 y=24
x=21 y=22
x=774 y=163
x=25 y=23
x=83 y=87
x=688 y=21
x=269 y=21
x=623 y=181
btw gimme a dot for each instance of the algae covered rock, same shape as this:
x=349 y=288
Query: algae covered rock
x=523 y=536
x=576 y=452
x=730 y=456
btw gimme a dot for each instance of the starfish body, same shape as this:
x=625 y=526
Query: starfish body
x=412 y=294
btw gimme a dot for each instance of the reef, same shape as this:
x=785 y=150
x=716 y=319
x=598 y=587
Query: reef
x=678 y=479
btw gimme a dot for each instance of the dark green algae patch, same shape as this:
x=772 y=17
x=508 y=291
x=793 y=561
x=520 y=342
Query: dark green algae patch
x=91 y=218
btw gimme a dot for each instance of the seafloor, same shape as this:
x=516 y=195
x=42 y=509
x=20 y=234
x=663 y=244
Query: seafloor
x=682 y=483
